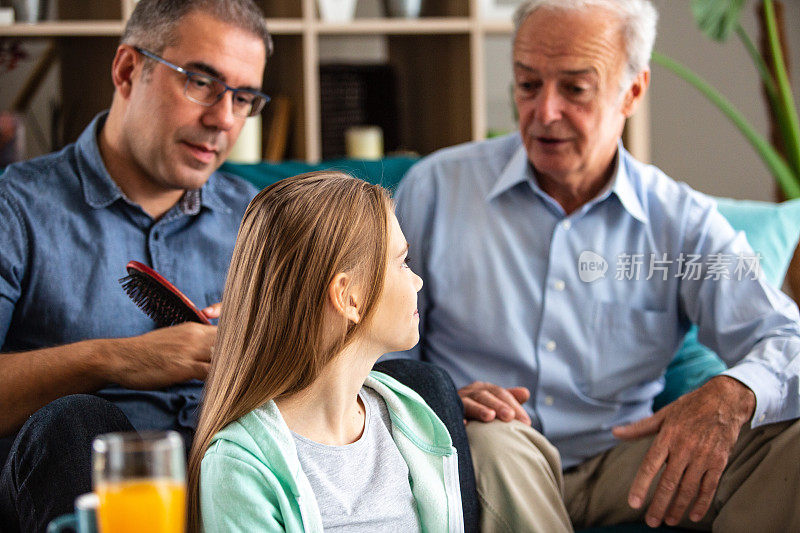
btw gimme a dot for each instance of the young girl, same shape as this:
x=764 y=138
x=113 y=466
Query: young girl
x=296 y=432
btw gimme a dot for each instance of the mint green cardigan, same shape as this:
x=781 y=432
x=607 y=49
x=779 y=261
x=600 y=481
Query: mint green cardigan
x=251 y=479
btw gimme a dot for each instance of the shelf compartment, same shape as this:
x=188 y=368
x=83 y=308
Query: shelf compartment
x=86 y=85
x=283 y=77
x=445 y=8
x=281 y=8
x=395 y=26
x=435 y=103
x=90 y=10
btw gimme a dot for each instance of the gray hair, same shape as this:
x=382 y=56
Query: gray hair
x=638 y=17
x=153 y=23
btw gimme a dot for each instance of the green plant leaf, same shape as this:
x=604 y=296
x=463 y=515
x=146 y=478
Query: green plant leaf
x=761 y=65
x=787 y=110
x=717 y=19
x=775 y=102
x=786 y=178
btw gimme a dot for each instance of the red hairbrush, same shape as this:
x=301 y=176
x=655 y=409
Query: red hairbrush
x=158 y=298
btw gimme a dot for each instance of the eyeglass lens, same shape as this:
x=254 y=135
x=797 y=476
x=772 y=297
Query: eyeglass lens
x=208 y=91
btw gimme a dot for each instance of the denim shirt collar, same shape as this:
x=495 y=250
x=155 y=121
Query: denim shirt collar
x=518 y=170
x=100 y=190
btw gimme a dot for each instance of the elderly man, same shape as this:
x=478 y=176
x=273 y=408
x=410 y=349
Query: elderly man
x=526 y=318
x=140 y=183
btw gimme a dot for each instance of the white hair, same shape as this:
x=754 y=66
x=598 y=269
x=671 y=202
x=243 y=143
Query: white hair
x=638 y=18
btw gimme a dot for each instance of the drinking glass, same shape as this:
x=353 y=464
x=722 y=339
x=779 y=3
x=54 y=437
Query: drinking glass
x=140 y=482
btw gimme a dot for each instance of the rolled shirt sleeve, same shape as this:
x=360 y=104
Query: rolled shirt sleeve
x=12 y=262
x=752 y=326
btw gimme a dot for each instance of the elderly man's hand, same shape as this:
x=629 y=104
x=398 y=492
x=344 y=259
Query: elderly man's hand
x=485 y=402
x=694 y=438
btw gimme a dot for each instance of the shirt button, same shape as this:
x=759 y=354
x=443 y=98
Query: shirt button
x=566 y=224
x=559 y=285
x=548 y=400
x=762 y=418
x=550 y=346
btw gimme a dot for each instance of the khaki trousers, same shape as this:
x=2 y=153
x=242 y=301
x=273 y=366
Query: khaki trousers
x=521 y=487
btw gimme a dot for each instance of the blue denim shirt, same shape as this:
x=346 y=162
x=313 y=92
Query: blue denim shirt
x=68 y=232
x=520 y=294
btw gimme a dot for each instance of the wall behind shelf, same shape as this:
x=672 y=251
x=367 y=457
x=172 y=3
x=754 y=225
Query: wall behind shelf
x=499 y=76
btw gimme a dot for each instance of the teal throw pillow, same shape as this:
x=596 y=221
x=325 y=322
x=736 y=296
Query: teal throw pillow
x=772 y=231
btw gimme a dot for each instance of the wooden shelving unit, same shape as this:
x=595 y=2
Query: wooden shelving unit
x=439 y=59
x=66 y=28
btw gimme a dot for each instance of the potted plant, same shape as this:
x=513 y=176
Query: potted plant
x=718 y=19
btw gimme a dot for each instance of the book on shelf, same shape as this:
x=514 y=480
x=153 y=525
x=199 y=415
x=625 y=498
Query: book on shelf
x=277 y=132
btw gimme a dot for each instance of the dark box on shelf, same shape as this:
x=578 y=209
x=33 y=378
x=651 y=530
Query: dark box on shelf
x=357 y=95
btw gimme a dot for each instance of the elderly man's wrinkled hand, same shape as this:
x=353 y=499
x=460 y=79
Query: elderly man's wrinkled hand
x=486 y=401
x=694 y=438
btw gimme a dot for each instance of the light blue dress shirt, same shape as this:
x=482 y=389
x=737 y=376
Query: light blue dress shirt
x=586 y=310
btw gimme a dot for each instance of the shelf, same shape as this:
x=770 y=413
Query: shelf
x=89 y=28
x=277 y=26
x=500 y=27
x=64 y=28
x=285 y=26
x=390 y=26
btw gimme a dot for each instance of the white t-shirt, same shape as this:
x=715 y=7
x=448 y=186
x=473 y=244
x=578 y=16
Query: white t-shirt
x=363 y=486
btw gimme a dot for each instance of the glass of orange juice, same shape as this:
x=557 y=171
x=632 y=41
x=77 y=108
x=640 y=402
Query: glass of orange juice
x=140 y=482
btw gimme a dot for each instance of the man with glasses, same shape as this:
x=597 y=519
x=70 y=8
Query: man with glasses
x=77 y=358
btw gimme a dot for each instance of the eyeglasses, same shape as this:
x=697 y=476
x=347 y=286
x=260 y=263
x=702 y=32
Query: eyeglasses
x=207 y=90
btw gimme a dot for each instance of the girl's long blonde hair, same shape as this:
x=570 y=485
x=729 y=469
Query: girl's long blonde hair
x=296 y=235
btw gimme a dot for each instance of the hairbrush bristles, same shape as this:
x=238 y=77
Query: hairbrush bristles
x=158 y=298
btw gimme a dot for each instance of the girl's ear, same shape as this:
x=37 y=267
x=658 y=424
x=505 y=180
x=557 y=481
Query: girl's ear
x=345 y=297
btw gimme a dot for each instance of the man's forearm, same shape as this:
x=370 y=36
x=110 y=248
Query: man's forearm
x=159 y=358
x=30 y=380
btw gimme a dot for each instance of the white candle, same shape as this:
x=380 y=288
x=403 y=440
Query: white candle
x=364 y=142
x=6 y=16
x=248 y=147
x=337 y=11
